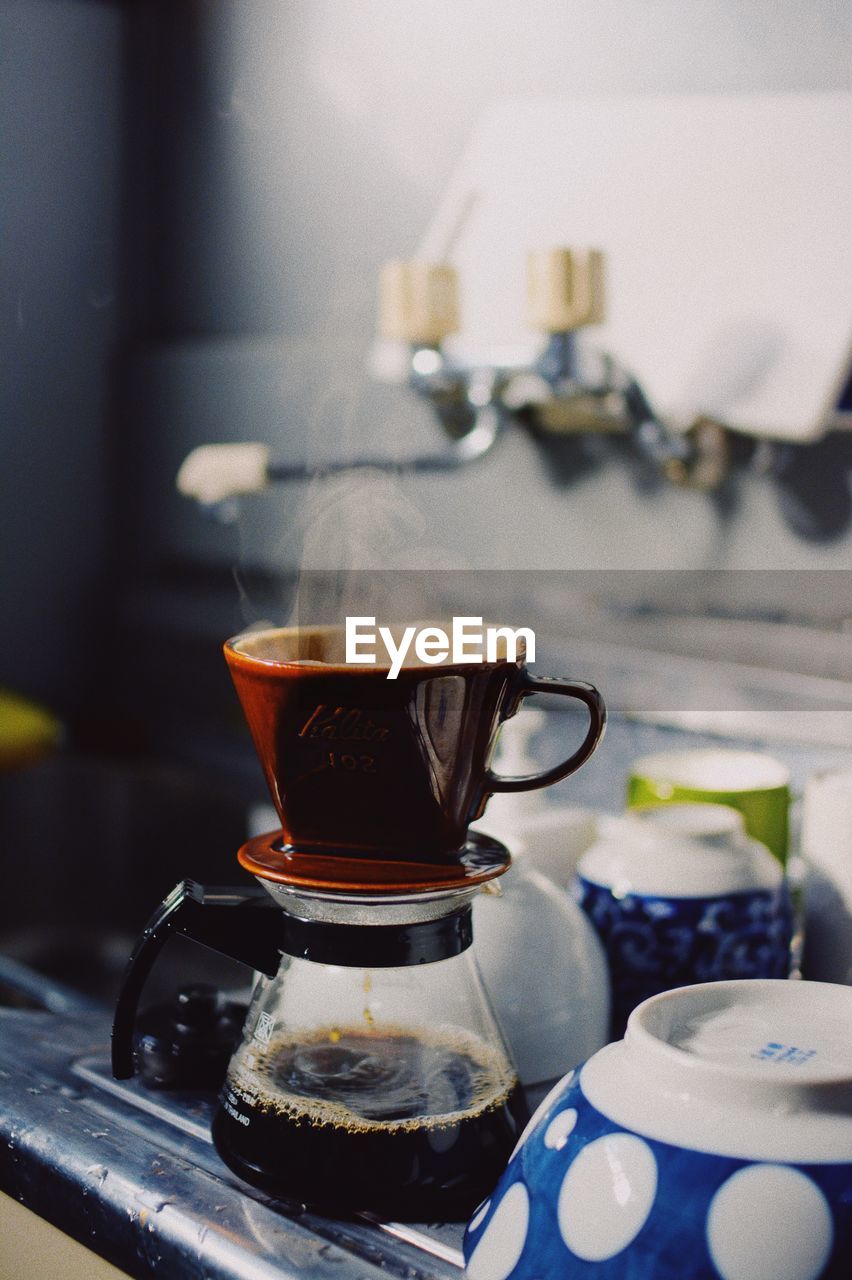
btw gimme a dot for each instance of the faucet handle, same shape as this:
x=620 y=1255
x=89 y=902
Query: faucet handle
x=418 y=301
x=565 y=289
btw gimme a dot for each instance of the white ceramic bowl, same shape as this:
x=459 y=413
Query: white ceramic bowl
x=550 y=839
x=546 y=975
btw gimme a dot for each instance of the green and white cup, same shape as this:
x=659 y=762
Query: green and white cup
x=757 y=785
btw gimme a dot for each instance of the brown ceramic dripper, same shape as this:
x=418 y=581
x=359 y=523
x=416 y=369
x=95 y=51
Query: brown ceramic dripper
x=358 y=763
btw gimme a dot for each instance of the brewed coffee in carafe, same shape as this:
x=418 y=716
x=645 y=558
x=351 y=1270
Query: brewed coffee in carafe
x=383 y=1088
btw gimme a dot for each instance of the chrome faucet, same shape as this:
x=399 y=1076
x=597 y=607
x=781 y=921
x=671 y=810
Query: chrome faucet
x=564 y=391
x=568 y=390
x=418 y=306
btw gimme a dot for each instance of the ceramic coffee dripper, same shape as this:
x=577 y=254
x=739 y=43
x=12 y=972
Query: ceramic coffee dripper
x=713 y=1143
x=357 y=761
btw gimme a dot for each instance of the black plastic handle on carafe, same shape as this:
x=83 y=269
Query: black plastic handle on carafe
x=243 y=924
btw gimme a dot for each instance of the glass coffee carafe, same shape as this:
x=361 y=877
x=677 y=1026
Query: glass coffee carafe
x=381 y=1082
x=371 y=1074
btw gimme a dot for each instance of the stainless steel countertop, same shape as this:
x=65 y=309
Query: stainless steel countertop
x=133 y=1175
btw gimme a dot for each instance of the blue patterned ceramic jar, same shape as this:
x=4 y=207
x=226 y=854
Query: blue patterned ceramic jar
x=681 y=895
x=713 y=1143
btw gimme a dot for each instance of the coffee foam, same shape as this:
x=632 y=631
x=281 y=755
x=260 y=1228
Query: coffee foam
x=320 y=646
x=252 y=1075
x=325 y=646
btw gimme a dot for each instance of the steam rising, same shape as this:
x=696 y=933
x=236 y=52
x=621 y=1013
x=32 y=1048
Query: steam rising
x=363 y=547
x=359 y=541
x=361 y=531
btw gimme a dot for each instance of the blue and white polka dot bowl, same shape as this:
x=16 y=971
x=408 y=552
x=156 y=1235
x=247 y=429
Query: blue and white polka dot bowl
x=713 y=1143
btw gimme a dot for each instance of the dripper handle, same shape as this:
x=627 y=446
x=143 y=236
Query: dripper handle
x=243 y=924
x=594 y=704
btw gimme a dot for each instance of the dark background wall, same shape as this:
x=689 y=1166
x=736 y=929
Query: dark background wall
x=61 y=112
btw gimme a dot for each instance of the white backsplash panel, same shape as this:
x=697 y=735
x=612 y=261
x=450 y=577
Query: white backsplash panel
x=723 y=220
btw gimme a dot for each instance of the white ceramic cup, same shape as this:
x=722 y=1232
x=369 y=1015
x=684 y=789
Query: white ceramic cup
x=827 y=851
x=756 y=784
